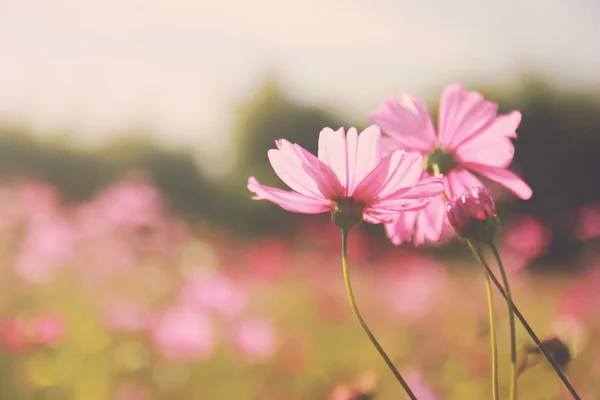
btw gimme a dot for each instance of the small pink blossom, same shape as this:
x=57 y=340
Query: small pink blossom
x=183 y=334
x=471 y=139
x=255 y=339
x=349 y=174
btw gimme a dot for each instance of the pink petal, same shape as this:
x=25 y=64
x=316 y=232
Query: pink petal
x=419 y=226
x=460 y=180
x=492 y=145
x=462 y=114
x=430 y=222
x=412 y=199
x=289 y=163
x=372 y=217
x=289 y=201
x=368 y=156
x=504 y=177
x=399 y=170
x=407 y=122
x=333 y=152
x=401 y=228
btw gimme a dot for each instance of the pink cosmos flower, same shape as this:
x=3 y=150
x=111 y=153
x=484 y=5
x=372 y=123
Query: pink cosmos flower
x=472 y=140
x=350 y=175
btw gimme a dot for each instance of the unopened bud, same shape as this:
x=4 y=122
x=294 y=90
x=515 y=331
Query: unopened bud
x=473 y=215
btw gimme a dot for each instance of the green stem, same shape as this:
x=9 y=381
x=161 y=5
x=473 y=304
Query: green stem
x=493 y=340
x=529 y=330
x=511 y=320
x=362 y=322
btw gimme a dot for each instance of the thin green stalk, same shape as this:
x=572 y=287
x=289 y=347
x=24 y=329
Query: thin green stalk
x=493 y=340
x=529 y=330
x=362 y=322
x=511 y=320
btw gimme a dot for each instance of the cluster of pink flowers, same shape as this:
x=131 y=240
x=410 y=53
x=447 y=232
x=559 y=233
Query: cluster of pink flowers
x=354 y=178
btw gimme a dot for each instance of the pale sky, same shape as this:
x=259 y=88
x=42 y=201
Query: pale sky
x=179 y=66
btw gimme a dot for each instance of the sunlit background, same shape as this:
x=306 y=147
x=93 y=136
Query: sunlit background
x=134 y=265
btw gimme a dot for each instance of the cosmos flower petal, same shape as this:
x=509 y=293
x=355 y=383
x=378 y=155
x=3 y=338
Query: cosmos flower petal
x=333 y=152
x=463 y=114
x=398 y=171
x=492 y=145
x=368 y=156
x=294 y=171
x=414 y=199
x=460 y=180
x=406 y=120
x=504 y=177
x=401 y=228
x=290 y=201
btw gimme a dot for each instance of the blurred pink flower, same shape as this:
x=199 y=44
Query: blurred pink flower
x=588 y=222
x=38 y=199
x=256 y=339
x=267 y=259
x=131 y=202
x=13 y=334
x=472 y=138
x=411 y=284
x=527 y=236
x=214 y=293
x=131 y=391
x=49 y=244
x=183 y=334
x=415 y=380
x=348 y=173
x=581 y=298
x=47 y=329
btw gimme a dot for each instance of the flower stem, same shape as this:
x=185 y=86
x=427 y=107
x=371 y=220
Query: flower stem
x=494 y=345
x=511 y=320
x=529 y=330
x=362 y=322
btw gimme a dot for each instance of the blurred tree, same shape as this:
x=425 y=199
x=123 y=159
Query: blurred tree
x=557 y=152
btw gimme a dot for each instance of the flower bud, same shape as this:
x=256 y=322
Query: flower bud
x=473 y=215
x=555 y=347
